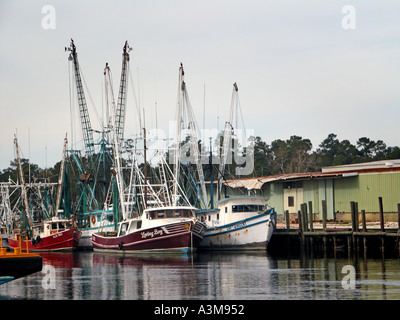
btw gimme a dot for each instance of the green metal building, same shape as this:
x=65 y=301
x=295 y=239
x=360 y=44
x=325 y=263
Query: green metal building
x=363 y=183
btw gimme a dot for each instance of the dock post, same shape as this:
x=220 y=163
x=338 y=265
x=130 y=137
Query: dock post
x=364 y=228
x=301 y=229
x=305 y=216
x=324 y=214
x=348 y=246
x=381 y=214
x=353 y=215
x=357 y=220
x=287 y=220
x=299 y=218
x=357 y=225
x=364 y=222
x=305 y=225
x=311 y=215
x=334 y=244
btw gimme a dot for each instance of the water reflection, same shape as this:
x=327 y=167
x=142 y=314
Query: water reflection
x=206 y=276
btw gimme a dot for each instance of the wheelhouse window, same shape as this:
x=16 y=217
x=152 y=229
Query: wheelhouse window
x=247 y=208
x=124 y=228
x=170 y=213
x=186 y=213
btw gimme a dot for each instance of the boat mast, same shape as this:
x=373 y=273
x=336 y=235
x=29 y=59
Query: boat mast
x=61 y=177
x=117 y=170
x=178 y=135
x=227 y=142
x=185 y=117
x=145 y=168
x=23 y=185
x=120 y=111
x=87 y=130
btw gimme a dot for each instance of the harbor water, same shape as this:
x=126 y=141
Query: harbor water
x=207 y=276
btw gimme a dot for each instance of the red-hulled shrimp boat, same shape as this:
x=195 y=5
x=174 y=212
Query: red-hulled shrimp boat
x=157 y=230
x=51 y=235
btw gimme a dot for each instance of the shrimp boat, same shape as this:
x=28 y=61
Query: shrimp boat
x=157 y=217
x=48 y=228
x=162 y=225
x=57 y=234
x=238 y=223
x=154 y=219
x=161 y=229
x=96 y=220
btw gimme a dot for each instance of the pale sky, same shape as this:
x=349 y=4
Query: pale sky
x=299 y=71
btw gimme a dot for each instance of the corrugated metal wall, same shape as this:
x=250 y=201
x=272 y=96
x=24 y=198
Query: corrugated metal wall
x=366 y=189
x=346 y=190
x=339 y=192
x=276 y=196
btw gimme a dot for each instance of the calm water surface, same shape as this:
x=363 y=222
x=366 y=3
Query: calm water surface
x=96 y=276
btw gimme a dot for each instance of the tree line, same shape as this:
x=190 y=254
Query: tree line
x=294 y=155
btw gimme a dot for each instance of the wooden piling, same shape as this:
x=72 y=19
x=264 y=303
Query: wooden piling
x=301 y=228
x=324 y=214
x=311 y=215
x=381 y=214
x=287 y=220
x=357 y=221
x=353 y=215
x=299 y=218
x=364 y=222
x=364 y=229
x=304 y=215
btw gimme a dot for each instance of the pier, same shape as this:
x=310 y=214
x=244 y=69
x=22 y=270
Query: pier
x=306 y=235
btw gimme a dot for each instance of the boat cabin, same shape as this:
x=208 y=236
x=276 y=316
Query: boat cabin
x=51 y=227
x=169 y=212
x=98 y=218
x=233 y=209
x=153 y=217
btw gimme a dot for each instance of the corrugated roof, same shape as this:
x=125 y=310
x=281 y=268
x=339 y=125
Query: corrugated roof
x=258 y=182
x=380 y=164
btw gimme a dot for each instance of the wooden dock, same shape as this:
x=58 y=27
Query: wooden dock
x=314 y=237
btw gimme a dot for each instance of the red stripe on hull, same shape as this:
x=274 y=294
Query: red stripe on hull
x=65 y=240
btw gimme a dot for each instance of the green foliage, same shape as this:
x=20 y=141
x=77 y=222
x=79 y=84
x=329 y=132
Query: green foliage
x=294 y=155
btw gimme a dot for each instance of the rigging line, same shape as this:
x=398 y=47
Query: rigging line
x=71 y=108
x=244 y=128
x=136 y=100
x=90 y=97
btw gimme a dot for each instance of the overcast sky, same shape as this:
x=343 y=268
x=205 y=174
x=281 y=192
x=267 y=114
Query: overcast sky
x=299 y=68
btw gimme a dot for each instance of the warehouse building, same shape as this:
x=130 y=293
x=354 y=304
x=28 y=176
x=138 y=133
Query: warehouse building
x=363 y=183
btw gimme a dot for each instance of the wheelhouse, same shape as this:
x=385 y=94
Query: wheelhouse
x=165 y=213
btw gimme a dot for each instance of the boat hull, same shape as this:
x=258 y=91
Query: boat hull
x=251 y=233
x=61 y=241
x=180 y=237
x=85 y=242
